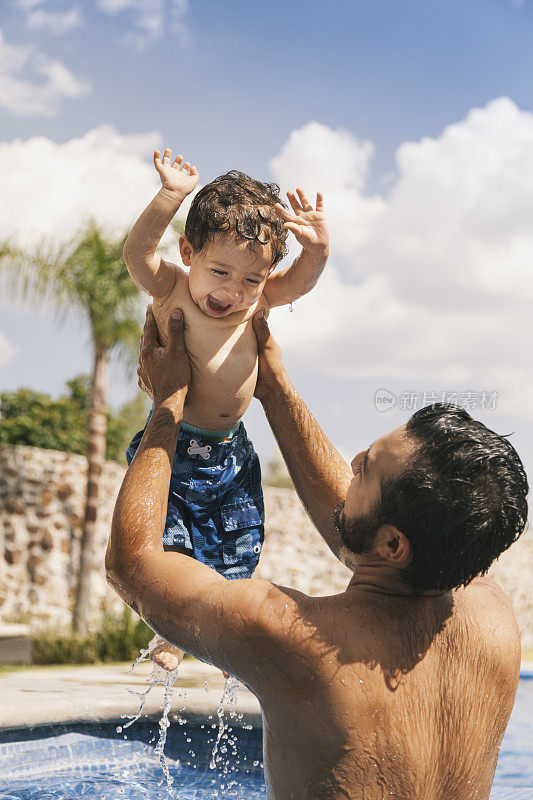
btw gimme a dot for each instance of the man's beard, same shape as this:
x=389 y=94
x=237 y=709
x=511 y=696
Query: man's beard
x=357 y=534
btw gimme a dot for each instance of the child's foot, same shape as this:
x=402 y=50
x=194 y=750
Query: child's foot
x=164 y=654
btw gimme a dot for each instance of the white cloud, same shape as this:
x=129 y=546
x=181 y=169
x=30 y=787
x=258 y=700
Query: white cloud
x=56 y=23
x=318 y=158
x=150 y=19
x=28 y=5
x=51 y=189
x=327 y=159
x=34 y=96
x=7 y=351
x=431 y=284
x=435 y=280
x=12 y=58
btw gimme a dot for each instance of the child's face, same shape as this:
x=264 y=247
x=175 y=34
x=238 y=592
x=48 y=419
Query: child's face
x=227 y=276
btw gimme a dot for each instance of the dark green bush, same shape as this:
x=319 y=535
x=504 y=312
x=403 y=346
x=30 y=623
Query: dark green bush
x=33 y=418
x=116 y=640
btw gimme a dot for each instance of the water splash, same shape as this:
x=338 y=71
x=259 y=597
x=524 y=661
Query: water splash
x=157 y=677
x=164 y=723
x=229 y=697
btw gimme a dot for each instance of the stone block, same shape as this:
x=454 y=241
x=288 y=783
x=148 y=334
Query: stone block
x=34 y=529
x=47 y=540
x=33 y=597
x=34 y=561
x=15 y=647
x=46 y=497
x=12 y=555
x=64 y=491
x=14 y=506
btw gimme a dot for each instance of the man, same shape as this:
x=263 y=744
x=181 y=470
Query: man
x=399 y=687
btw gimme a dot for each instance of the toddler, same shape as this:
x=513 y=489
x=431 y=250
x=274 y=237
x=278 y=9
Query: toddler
x=235 y=234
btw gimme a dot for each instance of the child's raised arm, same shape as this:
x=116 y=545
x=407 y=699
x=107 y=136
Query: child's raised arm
x=145 y=265
x=311 y=231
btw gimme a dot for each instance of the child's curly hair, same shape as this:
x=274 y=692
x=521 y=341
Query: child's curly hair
x=235 y=203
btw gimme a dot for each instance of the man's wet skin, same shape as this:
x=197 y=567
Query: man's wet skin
x=384 y=696
x=370 y=694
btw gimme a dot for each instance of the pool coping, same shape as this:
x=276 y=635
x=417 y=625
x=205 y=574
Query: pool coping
x=97 y=694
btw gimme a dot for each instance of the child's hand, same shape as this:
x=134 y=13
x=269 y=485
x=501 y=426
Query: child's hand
x=308 y=224
x=178 y=177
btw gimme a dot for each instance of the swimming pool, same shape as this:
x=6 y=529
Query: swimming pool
x=94 y=761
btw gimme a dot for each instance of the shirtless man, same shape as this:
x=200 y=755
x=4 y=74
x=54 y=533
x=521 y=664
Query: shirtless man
x=401 y=686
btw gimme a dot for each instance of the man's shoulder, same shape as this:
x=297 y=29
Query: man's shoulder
x=492 y=593
x=268 y=626
x=488 y=613
x=287 y=618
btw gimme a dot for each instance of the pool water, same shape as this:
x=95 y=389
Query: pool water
x=94 y=761
x=89 y=760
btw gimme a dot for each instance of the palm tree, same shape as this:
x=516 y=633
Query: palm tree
x=86 y=277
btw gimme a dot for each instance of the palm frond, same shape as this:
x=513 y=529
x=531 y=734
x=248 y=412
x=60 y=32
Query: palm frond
x=85 y=275
x=36 y=277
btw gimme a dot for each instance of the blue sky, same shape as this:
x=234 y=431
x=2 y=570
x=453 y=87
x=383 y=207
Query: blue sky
x=427 y=289
x=239 y=78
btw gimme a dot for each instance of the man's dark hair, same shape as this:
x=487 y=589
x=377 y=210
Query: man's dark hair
x=236 y=204
x=461 y=501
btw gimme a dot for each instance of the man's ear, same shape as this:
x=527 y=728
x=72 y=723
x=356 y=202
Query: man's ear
x=393 y=545
x=186 y=250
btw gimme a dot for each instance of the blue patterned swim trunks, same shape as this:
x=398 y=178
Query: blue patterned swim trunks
x=215 y=501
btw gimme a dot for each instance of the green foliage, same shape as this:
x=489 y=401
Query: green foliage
x=33 y=418
x=116 y=640
x=85 y=277
x=130 y=418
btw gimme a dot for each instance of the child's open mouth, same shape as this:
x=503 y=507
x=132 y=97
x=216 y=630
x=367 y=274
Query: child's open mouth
x=215 y=306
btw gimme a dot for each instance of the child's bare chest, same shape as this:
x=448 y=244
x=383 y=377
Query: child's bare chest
x=223 y=356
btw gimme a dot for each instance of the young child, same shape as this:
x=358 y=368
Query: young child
x=235 y=234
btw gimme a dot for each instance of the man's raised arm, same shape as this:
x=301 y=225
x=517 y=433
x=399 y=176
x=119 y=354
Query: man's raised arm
x=235 y=625
x=320 y=474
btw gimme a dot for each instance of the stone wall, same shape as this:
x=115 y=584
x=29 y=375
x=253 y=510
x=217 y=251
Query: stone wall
x=41 y=511
x=41 y=506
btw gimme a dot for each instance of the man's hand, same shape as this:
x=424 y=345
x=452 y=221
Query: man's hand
x=179 y=178
x=164 y=372
x=308 y=224
x=271 y=367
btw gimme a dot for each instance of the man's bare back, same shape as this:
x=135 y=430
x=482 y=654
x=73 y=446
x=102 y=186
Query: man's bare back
x=374 y=696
